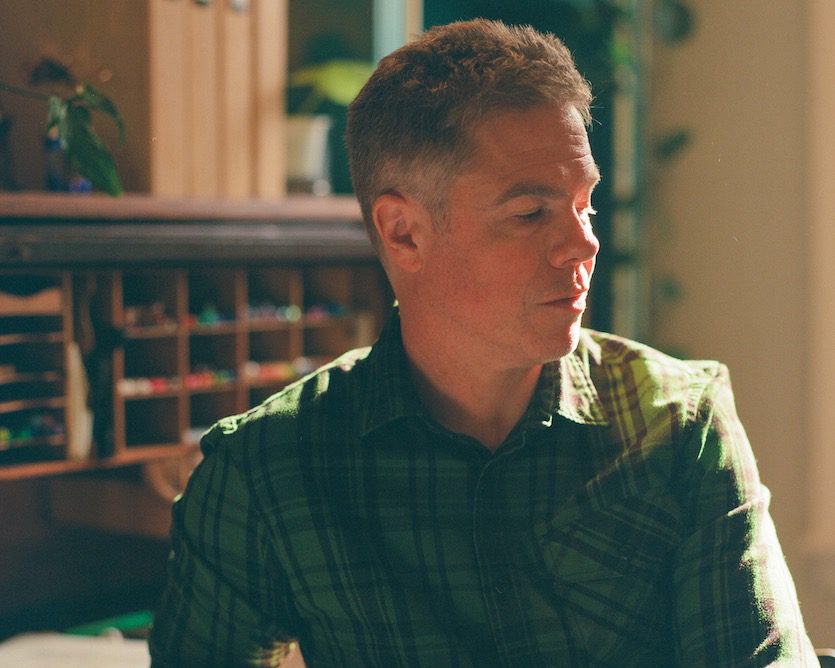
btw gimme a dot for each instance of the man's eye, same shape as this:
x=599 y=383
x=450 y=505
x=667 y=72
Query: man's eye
x=588 y=211
x=531 y=216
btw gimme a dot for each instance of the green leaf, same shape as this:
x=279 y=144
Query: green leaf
x=621 y=53
x=670 y=289
x=95 y=100
x=49 y=70
x=87 y=154
x=76 y=122
x=56 y=112
x=673 y=21
x=338 y=81
x=672 y=143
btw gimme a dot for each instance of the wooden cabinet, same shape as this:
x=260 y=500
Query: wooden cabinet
x=189 y=345
x=106 y=364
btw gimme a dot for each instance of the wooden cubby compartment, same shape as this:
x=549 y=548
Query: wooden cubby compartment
x=35 y=332
x=183 y=346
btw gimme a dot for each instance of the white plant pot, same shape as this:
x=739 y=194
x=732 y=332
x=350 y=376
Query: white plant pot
x=308 y=154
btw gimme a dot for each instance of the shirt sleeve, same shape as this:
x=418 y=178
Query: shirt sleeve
x=226 y=601
x=735 y=600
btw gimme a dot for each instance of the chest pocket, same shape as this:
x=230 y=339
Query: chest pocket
x=611 y=571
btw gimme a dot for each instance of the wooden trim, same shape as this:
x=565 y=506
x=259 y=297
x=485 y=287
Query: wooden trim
x=118 y=370
x=201 y=118
x=269 y=39
x=168 y=86
x=234 y=100
x=136 y=207
x=242 y=335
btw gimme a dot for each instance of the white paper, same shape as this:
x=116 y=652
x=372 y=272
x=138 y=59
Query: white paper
x=42 y=650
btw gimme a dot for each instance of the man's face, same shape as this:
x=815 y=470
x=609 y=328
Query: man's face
x=510 y=273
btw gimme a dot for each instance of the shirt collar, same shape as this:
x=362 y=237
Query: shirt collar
x=390 y=392
x=565 y=387
x=578 y=399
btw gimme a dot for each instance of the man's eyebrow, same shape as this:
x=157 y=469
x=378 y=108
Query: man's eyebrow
x=537 y=189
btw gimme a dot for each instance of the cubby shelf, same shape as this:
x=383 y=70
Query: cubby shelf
x=35 y=335
x=171 y=370
x=176 y=312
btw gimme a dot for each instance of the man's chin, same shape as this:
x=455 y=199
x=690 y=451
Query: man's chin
x=568 y=344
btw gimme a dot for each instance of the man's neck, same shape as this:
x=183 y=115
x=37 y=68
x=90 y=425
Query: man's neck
x=466 y=393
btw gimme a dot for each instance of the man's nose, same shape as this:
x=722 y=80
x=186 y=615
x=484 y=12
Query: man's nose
x=574 y=243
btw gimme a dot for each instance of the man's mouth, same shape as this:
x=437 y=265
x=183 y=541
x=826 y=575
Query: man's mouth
x=573 y=302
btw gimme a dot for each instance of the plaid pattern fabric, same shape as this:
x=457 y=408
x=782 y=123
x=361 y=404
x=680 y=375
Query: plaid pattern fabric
x=622 y=523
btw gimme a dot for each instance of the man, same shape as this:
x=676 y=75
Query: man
x=490 y=484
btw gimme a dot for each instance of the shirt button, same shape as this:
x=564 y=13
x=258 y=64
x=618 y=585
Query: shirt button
x=499 y=589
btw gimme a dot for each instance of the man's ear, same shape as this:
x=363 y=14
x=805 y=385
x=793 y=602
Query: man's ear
x=400 y=223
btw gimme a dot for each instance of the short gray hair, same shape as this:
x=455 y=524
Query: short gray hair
x=410 y=127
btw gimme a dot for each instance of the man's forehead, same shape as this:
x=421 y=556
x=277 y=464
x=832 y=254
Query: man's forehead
x=557 y=129
x=540 y=170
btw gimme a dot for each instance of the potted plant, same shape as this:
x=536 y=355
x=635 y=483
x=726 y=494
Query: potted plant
x=318 y=98
x=72 y=146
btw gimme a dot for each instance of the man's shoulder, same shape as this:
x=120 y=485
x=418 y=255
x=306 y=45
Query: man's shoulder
x=613 y=350
x=630 y=373
x=318 y=400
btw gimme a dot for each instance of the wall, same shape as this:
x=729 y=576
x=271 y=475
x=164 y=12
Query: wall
x=820 y=290
x=730 y=224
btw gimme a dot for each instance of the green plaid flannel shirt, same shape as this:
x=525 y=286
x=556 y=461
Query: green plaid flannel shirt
x=622 y=523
